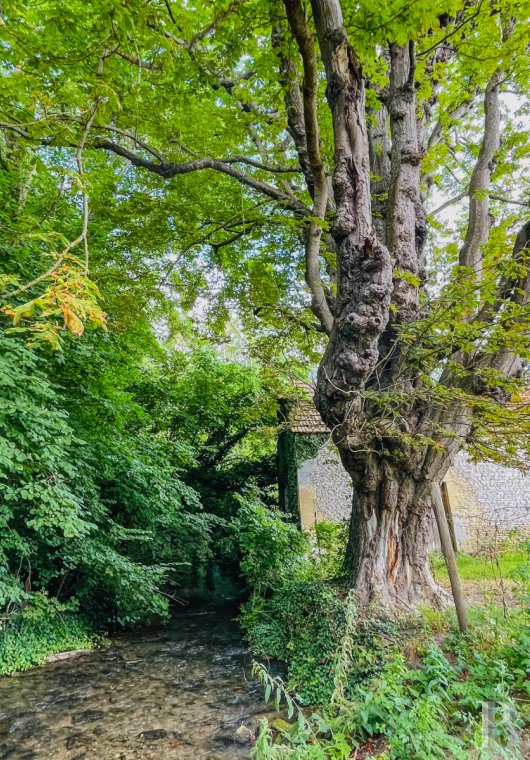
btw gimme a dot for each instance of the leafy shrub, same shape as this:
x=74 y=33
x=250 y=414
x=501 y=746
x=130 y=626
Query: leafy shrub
x=300 y=624
x=296 y=613
x=103 y=515
x=374 y=700
x=329 y=542
x=270 y=549
x=45 y=627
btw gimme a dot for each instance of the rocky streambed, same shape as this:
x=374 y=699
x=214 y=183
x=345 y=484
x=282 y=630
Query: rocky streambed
x=182 y=692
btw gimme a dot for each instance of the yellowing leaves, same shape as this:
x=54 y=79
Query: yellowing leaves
x=72 y=321
x=69 y=302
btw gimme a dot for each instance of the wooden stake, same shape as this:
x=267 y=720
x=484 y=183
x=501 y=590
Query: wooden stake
x=449 y=556
x=449 y=515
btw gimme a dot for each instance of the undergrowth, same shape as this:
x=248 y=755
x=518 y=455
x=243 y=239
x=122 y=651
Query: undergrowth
x=43 y=628
x=413 y=690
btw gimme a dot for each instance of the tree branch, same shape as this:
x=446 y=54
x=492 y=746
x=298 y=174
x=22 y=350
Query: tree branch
x=450 y=202
x=138 y=62
x=263 y=166
x=304 y=39
x=379 y=142
x=406 y=226
x=134 y=138
x=225 y=166
x=455 y=114
x=479 y=218
x=515 y=290
x=492 y=196
x=502 y=199
x=293 y=104
x=512 y=288
x=190 y=44
x=168 y=169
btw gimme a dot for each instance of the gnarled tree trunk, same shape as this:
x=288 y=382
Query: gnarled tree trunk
x=392 y=526
x=391 y=532
x=383 y=444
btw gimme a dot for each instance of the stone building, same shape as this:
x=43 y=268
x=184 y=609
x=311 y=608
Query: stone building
x=486 y=502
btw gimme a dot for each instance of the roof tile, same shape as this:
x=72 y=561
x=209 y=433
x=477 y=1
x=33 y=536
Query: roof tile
x=304 y=418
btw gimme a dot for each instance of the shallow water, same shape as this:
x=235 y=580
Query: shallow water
x=181 y=692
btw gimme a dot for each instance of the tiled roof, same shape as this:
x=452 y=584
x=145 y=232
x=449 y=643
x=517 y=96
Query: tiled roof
x=304 y=418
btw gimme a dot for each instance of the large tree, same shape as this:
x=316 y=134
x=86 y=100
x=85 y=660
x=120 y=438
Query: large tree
x=251 y=130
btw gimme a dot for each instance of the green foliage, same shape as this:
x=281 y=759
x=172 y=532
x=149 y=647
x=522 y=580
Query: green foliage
x=300 y=624
x=379 y=702
x=224 y=412
x=299 y=617
x=40 y=508
x=106 y=526
x=118 y=457
x=330 y=541
x=272 y=550
x=112 y=515
x=45 y=627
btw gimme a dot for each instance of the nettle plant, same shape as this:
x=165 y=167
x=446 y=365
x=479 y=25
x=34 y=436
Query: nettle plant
x=297 y=150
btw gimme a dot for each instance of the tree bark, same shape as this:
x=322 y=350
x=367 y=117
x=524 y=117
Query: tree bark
x=406 y=228
x=479 y=211
x=387 y=554
x=364 y=271
x=387 y=557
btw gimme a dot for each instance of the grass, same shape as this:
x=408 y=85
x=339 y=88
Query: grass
x=473 y=568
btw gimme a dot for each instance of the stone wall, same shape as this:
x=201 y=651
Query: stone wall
x=488 y=501
x=324 y=487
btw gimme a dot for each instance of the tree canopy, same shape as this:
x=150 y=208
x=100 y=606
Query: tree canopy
x=334 y=180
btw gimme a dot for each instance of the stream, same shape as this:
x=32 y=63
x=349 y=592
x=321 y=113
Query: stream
x=179 y=692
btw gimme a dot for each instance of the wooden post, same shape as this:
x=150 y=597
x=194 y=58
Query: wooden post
x=449 y=515
x=449 y=556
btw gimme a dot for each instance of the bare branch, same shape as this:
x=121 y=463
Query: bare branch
x=304 y=39
x=16 y=129
x=492 y=196
x=502 y=199
x=168 y=6
x=479 y=217
x=138 y=61
x=447 y=204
